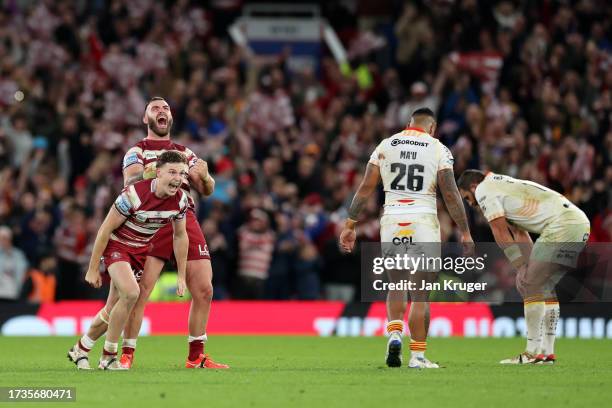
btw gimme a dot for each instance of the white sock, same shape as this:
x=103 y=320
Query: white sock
x=86 y=342
x=551 y=318
x=201 y=338
x=129 y=343
x=534 y=317
x=111 y=347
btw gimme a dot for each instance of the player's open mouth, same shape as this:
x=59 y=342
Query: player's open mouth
x=162 y=121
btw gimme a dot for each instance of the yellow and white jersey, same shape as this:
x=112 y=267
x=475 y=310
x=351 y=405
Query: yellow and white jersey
x=528 y=205
x=409 y=162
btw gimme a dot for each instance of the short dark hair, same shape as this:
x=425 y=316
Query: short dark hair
x=424 y=112
x=153 y=99
x=171 y=156
x=469 y=177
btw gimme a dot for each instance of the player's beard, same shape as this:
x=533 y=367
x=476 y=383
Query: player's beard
x=156 y=129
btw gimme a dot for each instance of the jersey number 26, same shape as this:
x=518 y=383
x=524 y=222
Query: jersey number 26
x=414 y=181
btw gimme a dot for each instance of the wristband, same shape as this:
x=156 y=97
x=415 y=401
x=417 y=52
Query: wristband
x=513 y=252
x=350 y=223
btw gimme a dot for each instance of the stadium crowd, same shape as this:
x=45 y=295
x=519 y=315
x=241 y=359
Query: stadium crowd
x=520 y=87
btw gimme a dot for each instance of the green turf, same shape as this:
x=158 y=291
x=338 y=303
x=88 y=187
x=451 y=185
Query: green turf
x=312 y=371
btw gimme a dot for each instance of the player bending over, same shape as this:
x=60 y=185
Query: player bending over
x=514 y=208
x=412 y=165
x=123 y=241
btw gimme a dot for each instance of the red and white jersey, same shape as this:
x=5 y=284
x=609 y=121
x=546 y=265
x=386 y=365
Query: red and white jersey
x=256 y=249
x=146 y=153
x=146 y=213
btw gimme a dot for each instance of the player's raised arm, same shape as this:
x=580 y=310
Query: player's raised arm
x=114 y=219
x=181 y=246
x=133 y=166
x=364 y=191
x=453 y=201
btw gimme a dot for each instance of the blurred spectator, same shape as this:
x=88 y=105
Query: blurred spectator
x=256 y=244
x=307 y=269
x=13 y=266
x=20 y=138
x=71 y=241
x=522 y=88
x=220 y=258
x=279 y=282
x=40 y=284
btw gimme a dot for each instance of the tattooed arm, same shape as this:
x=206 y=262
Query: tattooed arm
x=365 y=190
x=133 y=174
x=453 y=201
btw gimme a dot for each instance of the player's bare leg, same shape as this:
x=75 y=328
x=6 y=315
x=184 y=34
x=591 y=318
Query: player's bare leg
x=100 y=323
x=152 y=268
x=397 y=301
x=199 y=283
x=418 y=322
x=128 y=290
x=79 y=353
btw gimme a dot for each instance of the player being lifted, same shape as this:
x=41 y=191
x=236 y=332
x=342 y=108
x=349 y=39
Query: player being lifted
x=514 y=208
x=123 y=240
x=412 y=164
x=139 y=163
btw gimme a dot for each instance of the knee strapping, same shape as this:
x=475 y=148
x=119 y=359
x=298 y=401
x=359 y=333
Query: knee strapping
x=104 y=315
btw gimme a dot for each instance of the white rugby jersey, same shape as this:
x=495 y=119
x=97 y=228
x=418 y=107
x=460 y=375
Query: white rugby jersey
x=526 y=204
x=409 y=162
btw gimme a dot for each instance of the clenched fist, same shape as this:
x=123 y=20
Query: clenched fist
x=94 y=278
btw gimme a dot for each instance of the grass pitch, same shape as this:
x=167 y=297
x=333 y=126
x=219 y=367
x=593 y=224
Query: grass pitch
x=312 y=371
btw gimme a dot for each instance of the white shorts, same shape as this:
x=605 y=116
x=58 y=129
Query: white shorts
x=562 y=240
x=413 y=234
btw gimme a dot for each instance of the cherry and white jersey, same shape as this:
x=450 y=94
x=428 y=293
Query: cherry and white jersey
x=409 y=162
x=526 y=204
x=146 y=213
x=146 y=153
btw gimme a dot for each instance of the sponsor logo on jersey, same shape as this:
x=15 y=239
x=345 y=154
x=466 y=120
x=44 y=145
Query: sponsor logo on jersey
x=131 y=158
x=396 y=142
x=158 y=220
x=404 y=235
x=150 y=155
x=115 y=255
x=123 y=204
x=449 y=158
x=141 y=217
x=406 y=201
x=203 y=252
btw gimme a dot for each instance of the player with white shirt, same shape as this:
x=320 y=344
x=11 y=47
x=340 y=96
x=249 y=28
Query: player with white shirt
x=513 y=208
x=412 y=165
